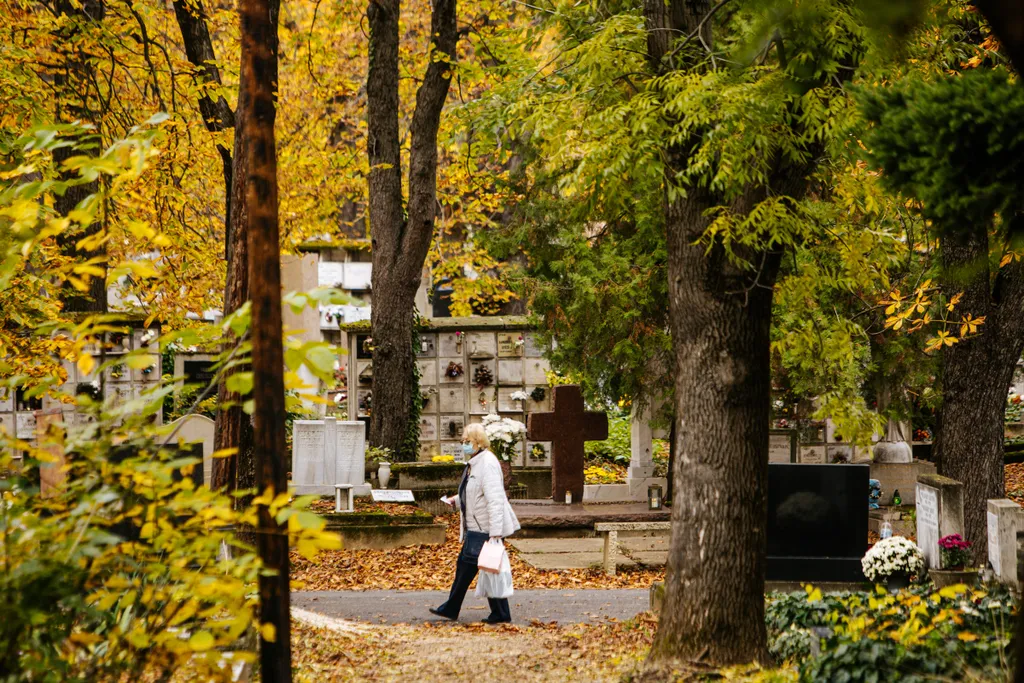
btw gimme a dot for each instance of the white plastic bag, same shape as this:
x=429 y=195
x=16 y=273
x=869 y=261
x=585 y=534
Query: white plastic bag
x=490 y=585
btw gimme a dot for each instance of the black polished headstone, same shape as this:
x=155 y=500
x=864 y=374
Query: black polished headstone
x=817 y=522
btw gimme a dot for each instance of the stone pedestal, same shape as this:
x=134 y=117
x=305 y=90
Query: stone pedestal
x=940 y=512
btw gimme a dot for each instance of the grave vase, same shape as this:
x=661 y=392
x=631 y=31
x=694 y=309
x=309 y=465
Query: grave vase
x=897 y=582
x=384 y=474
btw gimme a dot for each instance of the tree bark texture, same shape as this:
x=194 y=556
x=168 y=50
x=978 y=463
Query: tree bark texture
x=714 y=600
x=257 y=99
x=976 y=375
x=400 y=234
x=75 y=102
x=233 y=427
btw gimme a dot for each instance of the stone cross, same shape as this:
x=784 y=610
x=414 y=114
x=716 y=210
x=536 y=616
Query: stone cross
x=567 y=427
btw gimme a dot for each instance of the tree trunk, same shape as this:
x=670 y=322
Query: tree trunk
x=233 y=427
x=72 y=85
x=714 y=599
x=400 y=237
x=976 y=376
x=256 y=98
x=1006 y=17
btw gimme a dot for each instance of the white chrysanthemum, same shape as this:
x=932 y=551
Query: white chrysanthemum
x=891 y=556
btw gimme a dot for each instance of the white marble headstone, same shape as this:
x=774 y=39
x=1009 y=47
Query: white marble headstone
x=928 y=524
x=327 y=452
x=193 y=429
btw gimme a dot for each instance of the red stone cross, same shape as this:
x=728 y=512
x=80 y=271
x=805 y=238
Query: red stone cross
x=567 y=426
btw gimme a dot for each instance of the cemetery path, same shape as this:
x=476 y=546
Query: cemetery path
x=528 y=606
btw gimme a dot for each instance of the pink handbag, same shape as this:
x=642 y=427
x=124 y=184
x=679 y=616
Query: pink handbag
x=490 y=557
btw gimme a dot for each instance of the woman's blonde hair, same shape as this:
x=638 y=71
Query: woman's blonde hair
x=477 y=436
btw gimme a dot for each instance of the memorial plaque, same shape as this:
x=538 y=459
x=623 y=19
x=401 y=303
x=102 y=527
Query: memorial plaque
x=817 y=524
x=350 y=453
x=449 y=365
x=510 y=344
x=118 y=372
x=534 y=348
x=483 y=400
x=429 y=396
x=839 y=453
x=782 y=446
x=993 y=543
x=928 y=524
x=428 y=450
x=481 y=345
x=199 y=372
x=428 y=428
x=507 y=405
x=536 y=371
x=533 y=405
x=309 y=457
x=7 y=424
x=428 y=345
x=389 y=496
x=482 y=374
x=451 y=345
x=6 y=401
x=510 y=373
x=538 y=454
x=812 y=455
x=454 y=449
x=451 y=426
x=428 y=372
x=452 y=399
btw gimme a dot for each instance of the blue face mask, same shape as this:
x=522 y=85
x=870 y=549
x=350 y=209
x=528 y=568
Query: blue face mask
x=468 y=449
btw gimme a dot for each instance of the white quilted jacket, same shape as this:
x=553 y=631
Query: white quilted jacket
x=487 y=507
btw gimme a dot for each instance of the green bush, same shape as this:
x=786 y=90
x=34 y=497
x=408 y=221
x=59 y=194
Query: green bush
x=616 y=448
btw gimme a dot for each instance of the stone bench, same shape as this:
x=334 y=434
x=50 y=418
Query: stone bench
x=609 y=531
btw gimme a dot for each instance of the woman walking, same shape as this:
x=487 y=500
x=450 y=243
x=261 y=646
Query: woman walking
x=485 y=517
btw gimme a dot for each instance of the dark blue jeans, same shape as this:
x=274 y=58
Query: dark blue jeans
x=465 y=571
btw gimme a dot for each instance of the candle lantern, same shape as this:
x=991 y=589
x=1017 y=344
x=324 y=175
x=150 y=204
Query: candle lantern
x=654 y=499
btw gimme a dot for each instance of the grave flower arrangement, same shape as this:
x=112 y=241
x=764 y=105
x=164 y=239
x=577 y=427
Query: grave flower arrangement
x=504 y=434
x=890 y=557
x=538 y=394
x=482 y=376
x=453 y=371
x=955 y=552
x=518 y=397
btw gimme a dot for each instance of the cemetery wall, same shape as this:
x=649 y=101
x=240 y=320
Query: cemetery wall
x=469 y=367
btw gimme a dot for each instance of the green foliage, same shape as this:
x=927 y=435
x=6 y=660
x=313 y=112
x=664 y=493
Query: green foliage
x=918 y=635
x=409 y=448
x=616 y=448
x=954 y=143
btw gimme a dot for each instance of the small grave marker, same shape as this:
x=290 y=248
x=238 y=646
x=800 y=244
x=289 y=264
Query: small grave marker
x=392 y=496
x=940 y=512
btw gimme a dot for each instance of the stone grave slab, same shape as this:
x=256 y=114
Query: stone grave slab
x=327 y=452
x=428 y=345
x=568 y=426
x=452 y=426
x=817 y=522
x=450 y=345
x=940 y=512
x=481 y=345
x=1005 y=519
x=482 y=373
x=428 y=428
x=535 y=371
x=510 y=373
x=483 y=400
x=194 y=429
x=454 y=449
x=442 y=370
x=392 y=496
x=533 y=347
x=428 y=372
x=812 y=455
x=506 y=404
x=451 y=399
x=782 y=445
x=510 y=344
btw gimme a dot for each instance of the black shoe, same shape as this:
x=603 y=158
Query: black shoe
x=491 y=620
x=437 y=612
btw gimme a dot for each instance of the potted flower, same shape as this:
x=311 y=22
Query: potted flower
x=955 y=559
x=504 y=434
x=893 y=561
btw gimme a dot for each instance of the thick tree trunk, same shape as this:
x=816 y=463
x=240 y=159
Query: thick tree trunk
x=400 y=237
x=1006 y=17
x=714 y=600
x=256 y=98
x=976 y=375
